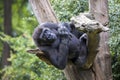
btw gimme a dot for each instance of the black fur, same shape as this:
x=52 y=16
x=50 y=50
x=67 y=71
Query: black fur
x=61 y=42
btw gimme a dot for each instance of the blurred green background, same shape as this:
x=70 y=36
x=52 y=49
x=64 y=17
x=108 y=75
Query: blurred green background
x=24 y=66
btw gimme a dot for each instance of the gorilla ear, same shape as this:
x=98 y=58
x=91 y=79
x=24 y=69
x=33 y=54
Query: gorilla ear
x=72 y=26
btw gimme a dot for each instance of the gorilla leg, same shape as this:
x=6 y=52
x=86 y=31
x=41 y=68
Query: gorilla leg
x=81 y=60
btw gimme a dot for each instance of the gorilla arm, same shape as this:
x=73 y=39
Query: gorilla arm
x=59 y=57
x=51 y=55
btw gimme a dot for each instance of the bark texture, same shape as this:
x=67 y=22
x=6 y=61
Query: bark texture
x=43 y=11
x=101 y=69
x=102 y=63
x=7 y=30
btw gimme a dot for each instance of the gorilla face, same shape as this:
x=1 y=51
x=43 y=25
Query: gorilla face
x=48 y=35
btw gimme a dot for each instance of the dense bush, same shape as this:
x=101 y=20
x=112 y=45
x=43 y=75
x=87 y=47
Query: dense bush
x=65 y=9
x=27 y=66
x=114 y=14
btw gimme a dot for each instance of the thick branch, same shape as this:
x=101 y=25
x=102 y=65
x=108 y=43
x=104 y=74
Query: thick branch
x=39 y=54
x=84 y=23
x=92 y=28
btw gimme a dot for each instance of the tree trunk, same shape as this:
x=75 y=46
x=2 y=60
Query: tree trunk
x=43 y=11
x=101 y=69
x=102 y=63
x=7 y=30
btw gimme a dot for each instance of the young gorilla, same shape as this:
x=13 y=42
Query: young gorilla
x=59 y=44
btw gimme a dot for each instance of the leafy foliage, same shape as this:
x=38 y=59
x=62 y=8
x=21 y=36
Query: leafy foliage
x=25 y=66
x=1 y=23
x=114 y=42
x=65 y=9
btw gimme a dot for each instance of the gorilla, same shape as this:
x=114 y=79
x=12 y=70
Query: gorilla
x=61 y=42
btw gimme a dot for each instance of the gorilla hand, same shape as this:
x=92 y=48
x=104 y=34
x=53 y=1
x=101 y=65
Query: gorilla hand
x=63 y=31
x=48 y=35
